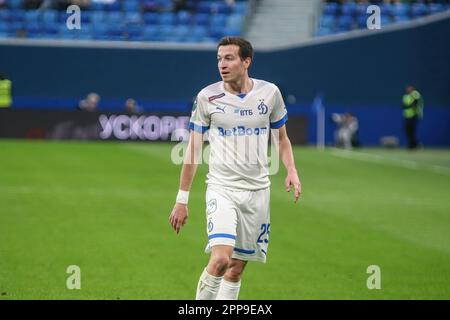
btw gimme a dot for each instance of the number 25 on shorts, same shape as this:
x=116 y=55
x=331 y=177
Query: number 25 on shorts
x=263 y=237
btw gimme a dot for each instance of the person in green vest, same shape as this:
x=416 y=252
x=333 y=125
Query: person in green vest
x=412 y=114
x=5 y=92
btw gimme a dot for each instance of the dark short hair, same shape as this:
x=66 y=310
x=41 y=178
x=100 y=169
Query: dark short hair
x=245 y=47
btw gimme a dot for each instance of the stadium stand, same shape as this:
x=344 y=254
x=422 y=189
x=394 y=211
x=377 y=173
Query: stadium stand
x=342 y=16
x=129 y=20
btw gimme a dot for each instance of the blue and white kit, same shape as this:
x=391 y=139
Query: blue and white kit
x=238 y=193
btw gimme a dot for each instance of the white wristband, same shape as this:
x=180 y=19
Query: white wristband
x=182 y=197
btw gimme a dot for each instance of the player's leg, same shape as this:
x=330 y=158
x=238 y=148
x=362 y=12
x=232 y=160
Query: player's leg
x=211 y=278
x=231 y=283
x=221 y=229
x=219 y=260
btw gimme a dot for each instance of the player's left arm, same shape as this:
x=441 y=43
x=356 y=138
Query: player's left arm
x=287 y=156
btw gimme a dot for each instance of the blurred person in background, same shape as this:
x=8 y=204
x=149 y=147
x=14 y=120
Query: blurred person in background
x=132 y=107
x=90 y=103
x=412 y=113
x=5 y=91
x=346 y=134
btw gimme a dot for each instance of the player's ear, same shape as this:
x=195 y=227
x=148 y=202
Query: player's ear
x=247 y=62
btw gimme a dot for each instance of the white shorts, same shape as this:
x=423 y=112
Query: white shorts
x=240 y=219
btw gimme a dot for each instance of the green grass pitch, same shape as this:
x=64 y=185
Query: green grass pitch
x=104 y=207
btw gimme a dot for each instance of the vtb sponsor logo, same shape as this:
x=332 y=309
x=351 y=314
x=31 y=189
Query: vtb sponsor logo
x=243 y=112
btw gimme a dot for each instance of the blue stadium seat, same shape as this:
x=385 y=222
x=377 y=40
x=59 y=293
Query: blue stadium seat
x=150 y=18
x=180 y=32
x=323 y=32
x=167 y=18
x=401 y=9
x=16 y=15
x=150 y=6
x=344 y=23
x=33 y=29
x=51 y=29
x=133 y=31
x=183 y=18
x=435 y=8
x=133 y=17
x=165 y=32
x=204 y=7
x=330 y=8
x=97 y=6
x=241 y=8
x=4 y=26
x=151 y=33
x=387 y=9
x=328 y=21
x=401 y=18
x=131 y=6
x=385 y=20
x=221 y=7
x=13 y=27
x=218 y=20
x=348 y=8
x=114 y=6
x=236 y=20
x=216 y=32
x=84 y=33
x=201 y=19
x=66 y=34
x=199 y=32
x=100 y=30
x=232 y=31
x=164 y=5
x=114 y=17
x=98 y=16
x=49 y=16
x=361 y=22
x=32 y=16
x=4 y=15
x=115 y=32
x=361 y=9
x=122 y=19
x=419 y=10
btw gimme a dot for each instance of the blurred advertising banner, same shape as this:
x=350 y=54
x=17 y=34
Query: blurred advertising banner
x=65 y=125
x=77 y=125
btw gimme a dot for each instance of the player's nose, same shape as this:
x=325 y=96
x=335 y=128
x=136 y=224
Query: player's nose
x=222 y=65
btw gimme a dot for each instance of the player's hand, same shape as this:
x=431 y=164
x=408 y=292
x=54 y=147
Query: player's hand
x=292 y=180
x=178 y=217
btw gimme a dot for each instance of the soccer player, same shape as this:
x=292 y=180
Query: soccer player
x=237 y=113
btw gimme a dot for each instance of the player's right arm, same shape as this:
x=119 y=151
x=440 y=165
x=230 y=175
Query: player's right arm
x=179 y=214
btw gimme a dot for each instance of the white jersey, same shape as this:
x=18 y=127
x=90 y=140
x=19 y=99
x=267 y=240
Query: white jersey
x=239 y=129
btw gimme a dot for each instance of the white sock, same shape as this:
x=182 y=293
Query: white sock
x=208 y=286
x=228 y=290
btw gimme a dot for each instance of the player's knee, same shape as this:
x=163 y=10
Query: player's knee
x=234 y=273
x=219 y=263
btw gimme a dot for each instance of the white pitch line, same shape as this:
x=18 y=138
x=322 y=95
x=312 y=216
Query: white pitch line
x=409 y=164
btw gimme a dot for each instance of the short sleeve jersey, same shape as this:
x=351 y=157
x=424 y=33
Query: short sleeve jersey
x=238 y=132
